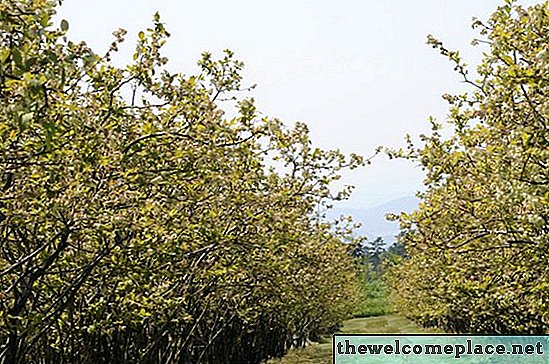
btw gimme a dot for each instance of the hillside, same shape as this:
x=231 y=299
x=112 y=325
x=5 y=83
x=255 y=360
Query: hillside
x=373 y=219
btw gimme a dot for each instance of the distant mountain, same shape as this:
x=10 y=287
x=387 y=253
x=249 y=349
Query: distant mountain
x=373 y=219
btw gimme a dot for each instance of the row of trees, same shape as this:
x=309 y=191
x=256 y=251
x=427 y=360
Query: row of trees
x=479 y=242
x=139 y=224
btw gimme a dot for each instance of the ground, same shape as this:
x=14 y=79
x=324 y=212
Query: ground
x=321 y=353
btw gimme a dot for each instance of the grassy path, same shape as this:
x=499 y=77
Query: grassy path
x=321 y=353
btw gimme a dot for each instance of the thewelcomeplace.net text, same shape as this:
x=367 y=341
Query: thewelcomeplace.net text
x=441 y=347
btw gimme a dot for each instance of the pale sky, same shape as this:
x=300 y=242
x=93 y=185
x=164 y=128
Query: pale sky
x=357 y=72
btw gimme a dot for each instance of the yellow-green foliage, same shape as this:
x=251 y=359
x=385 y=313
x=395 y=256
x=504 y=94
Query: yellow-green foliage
x=478 y=243
x=138 y=224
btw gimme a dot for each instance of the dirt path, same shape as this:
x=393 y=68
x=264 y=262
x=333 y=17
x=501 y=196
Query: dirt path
x=321 y=353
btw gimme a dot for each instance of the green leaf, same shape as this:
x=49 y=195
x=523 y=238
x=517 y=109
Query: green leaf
x=507 y=59
x=64 y=25
x=4 y=54
x=16 y=55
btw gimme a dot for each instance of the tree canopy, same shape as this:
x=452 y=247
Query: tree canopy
x=138 y=223
x=478 y=244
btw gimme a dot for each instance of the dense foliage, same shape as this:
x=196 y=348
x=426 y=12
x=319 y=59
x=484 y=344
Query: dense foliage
x=479 y=242
x=372 y=260
x=139 y=224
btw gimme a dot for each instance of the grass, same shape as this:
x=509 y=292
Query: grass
x=372 y=316
x=321 y=353
x=374 y=298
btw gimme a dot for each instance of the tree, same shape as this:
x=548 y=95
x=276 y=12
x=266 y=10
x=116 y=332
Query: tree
x=376 y=250
x=477 y=244
x=149 y=228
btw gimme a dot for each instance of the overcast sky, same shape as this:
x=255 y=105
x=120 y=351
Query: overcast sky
x=357 y=72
